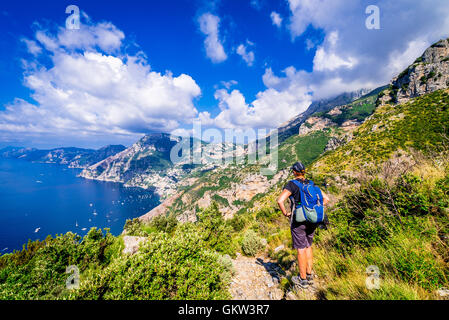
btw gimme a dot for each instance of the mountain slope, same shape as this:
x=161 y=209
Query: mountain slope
x=148 y=163
x=428 y=73
x=236 y=186
x=411 y=116
x=421 y=125
x=291 y=127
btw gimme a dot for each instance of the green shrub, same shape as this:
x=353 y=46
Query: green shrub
x=217 y=234
x=226 y=262
x=251 y=243
x=164 y=224
x=267 y=214
x=134 y=227
x=220 y=200
x=237 y=222
x=167 y=267
x=42 y=274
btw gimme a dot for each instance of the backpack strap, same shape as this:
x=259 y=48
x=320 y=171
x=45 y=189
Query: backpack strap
x=292 y=200
x=320 y=196
x=319 y=192
x=300 y=185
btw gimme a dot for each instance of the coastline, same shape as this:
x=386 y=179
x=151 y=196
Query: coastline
x=61 y=202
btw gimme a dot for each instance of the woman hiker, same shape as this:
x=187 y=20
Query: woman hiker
x=302 y=232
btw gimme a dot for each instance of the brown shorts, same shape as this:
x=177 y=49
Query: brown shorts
x=302 y=234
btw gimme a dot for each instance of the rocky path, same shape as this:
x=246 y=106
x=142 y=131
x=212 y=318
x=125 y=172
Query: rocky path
x=258 y=279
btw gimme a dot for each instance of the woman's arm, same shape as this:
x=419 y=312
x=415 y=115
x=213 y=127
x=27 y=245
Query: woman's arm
x=325 y=198
x=284 y=196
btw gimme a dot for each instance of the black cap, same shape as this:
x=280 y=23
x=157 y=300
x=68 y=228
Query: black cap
x=298 y=167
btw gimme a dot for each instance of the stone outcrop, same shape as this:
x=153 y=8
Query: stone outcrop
x=429 y=73
x=315 y=124
x=350 y=125
x=132 y=244
x=291 y=127
x=336 y=142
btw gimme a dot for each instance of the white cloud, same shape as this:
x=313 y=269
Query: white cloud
x=247 y=56
x=407 y=28
x=32 y=46
x=351 y=57
x=414 y=49
x=276 y=19
x=310 y=44
x=181 y=132
x=228 y=84
x=205 y=118
x=209 y=26
x=277 y=104
x=102 y=36
x=326 y=57
x=91 y=88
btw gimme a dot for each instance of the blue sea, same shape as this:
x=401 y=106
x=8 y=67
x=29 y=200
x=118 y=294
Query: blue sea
x=38 y=199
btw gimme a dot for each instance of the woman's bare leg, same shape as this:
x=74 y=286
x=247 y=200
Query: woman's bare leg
x=309 y=255
x=302 y=263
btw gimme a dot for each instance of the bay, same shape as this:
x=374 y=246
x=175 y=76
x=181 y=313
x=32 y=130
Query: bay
x=39 y=199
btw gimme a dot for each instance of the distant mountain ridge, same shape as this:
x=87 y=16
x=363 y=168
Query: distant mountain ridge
x=147 y=163
x=72 y=157
x=291 y=127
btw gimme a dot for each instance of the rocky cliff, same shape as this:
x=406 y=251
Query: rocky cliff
x=148 y=163
x=291 y=127
x=428 y=73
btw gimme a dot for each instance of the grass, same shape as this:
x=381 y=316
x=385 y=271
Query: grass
x=302 y=148
x=421 y=124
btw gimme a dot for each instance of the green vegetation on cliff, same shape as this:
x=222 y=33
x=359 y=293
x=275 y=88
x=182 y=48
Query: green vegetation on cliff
x=179 y=262
x=421 y=124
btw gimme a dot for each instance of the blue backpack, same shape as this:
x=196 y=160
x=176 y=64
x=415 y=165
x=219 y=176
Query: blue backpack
x=312 y=204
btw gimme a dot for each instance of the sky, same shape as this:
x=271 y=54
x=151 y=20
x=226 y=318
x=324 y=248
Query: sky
x=136 y=67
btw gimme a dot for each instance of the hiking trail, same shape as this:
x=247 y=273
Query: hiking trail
x=258 y=278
